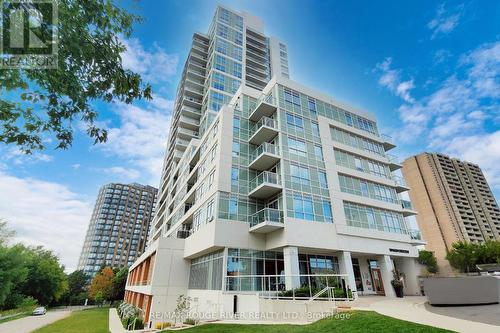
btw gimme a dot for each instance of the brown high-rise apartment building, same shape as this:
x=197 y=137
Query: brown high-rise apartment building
x=453 y=201
x=119 y=226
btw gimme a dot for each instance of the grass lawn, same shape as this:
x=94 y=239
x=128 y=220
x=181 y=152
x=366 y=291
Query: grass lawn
x=359 y=321
x=85 y=321
x=19 y=316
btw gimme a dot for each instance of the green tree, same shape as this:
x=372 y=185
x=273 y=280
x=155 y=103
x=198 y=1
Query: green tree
x=46 y=280
x=100 y=287
x=489 y=253
x=35 y=103
x=77 y=288
x=118 y=284
x=13 y=271
x=463 y=256
x=428 y=259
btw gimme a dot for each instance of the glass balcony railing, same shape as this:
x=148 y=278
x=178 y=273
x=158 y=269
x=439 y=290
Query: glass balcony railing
x=264 y=177
x=267 y=215
x=266 y=147
x=400 y=181
x=265 y=107
x=406 y=204
x=415 y=234
x=264 y=121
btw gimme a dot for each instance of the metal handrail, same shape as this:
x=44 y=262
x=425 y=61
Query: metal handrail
x=264 y=121
x=399 y=181
x=415 y=234
x=264 y=177
x=275 y=284
x=265 y=147
x=406 y=204
x=267 y=214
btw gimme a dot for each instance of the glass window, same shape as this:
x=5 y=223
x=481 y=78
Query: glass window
x=292 y=97
x=236 y=124
x=322 y=179
x=327 y=211
x=303 y=208
x=236 y=149
x=318 y=152
x=315 y=129
x=295 y=121
x=233 y=206
x=348 y=119
x=300 y=174
x=312 y=105
x=234 y=176
x=297 y=147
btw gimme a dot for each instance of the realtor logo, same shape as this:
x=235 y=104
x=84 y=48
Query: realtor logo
x=28 y=34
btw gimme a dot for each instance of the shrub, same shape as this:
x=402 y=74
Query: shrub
x=190 y=321
x=428 y=259
x=305 y=292
x=160 y=326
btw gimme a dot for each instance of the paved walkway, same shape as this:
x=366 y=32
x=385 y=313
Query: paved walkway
x=412 y=308
x=115 y=325
x=31 y=323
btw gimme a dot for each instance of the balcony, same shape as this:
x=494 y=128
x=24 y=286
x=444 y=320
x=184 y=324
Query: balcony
x=266 y=220
x=266 y=106
x=265 y=185
x=264 y=157
x=400 y=184
x=387 y=142
x=394 y=164
x=186 y=134
x=189 y=123
x=407 y=208
x=263 y=131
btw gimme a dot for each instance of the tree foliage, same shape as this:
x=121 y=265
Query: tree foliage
x=35 y=103
x=28 y=273
x=118 y=284
x=465 y=256
x=100 y=287
x=428 y=259
x=77 y=288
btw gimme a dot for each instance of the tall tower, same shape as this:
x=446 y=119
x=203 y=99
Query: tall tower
x=281 y=187
x=454 y=203
x=119 y=226
x=235 y=51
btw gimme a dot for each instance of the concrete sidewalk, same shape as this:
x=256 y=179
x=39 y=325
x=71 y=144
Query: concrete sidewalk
x=32 y=323
x=412 y=308
x=115 y=325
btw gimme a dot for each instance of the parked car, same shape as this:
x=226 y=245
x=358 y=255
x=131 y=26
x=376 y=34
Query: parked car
x=40 y=311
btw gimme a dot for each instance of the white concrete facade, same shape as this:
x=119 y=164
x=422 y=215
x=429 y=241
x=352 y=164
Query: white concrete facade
x=249 y=215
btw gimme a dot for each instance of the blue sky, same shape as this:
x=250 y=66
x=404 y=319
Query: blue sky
x=428 y=70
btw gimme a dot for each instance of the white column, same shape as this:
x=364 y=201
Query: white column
x=291 y=258
x=386 y=268
x=345 y=267
x=411 y=270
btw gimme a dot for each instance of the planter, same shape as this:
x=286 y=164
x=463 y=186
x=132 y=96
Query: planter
x=399 y=291
x=464 y=290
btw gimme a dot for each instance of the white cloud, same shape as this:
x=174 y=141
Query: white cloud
x=445 y=22
x=460 y=116
x=127 y=174
x=15 y=156
x=141 y=136
x=441 y=56
x=154 y=65
x=391 y=79
x=45 y=213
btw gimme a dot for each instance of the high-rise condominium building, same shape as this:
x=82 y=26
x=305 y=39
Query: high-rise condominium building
x=279 y=187
x=454 y=203
x=119 y=226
